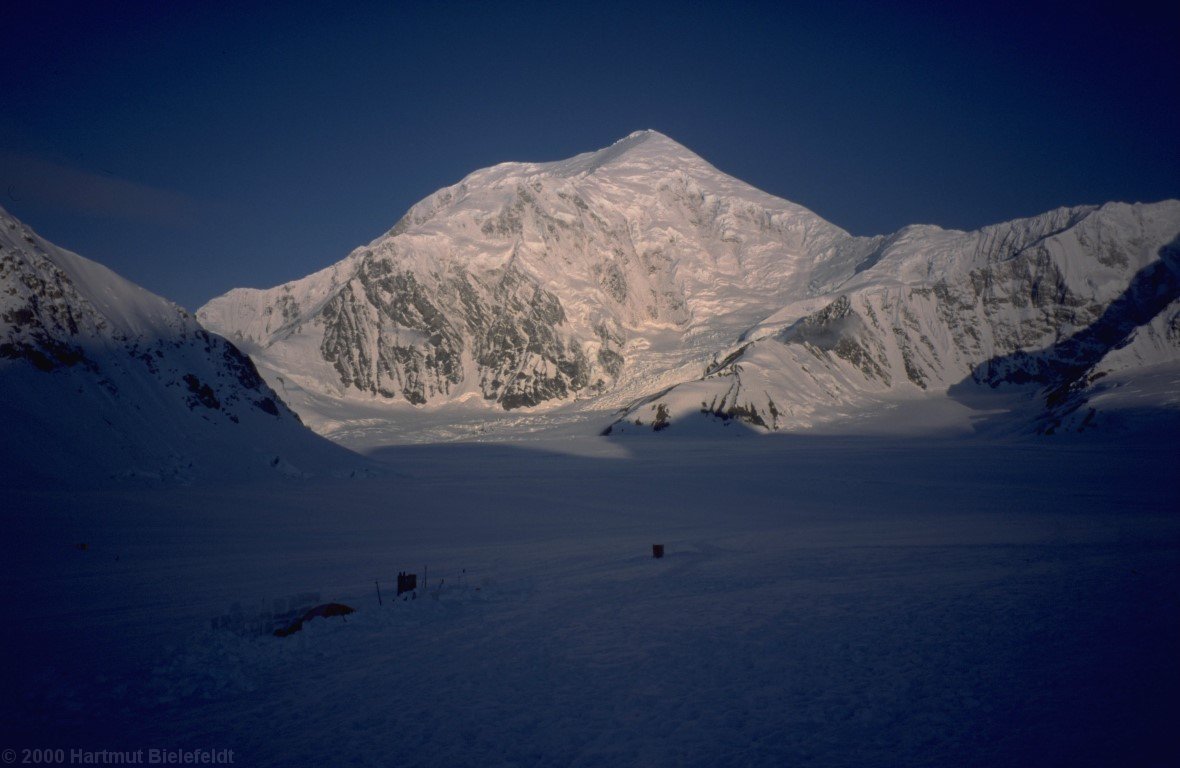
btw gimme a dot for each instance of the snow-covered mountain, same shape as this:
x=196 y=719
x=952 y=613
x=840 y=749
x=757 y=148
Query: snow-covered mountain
x=102 y=379
x=640 y=277
x=527 y=283
x=1081 y=305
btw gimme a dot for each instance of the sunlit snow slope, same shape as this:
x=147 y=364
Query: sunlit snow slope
x=101 y=379
x=1079 y=308
x=641 y=278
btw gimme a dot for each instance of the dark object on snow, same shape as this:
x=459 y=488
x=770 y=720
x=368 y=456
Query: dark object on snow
x=406 y=582
x=657 y=551
x=325 y=610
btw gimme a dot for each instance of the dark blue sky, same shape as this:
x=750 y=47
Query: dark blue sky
x=202 y=148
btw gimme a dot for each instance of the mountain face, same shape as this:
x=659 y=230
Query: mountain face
x=1055 y=303
x=103 y=379
x=527 y=284
x=640 y=276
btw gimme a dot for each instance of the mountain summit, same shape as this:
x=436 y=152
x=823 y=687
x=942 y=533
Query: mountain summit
x=532 y=283
x=640 y=152
x=619 y=276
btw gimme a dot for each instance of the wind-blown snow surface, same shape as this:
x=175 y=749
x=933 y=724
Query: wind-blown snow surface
x=823 y=601
x=640 y=278
x=102 y=380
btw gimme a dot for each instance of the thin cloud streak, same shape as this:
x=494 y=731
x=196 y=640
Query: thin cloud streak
x=31 y=179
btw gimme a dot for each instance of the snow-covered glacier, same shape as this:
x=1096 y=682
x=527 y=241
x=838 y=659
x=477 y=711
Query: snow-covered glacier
x=824 y=598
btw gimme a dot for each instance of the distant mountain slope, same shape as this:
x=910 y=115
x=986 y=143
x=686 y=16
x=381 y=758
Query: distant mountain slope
x=1056 y=303
x=640 y=277
x=102 y=379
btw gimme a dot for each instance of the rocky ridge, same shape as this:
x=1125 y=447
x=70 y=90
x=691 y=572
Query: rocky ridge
x=1053 y=304
x=103 y=379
